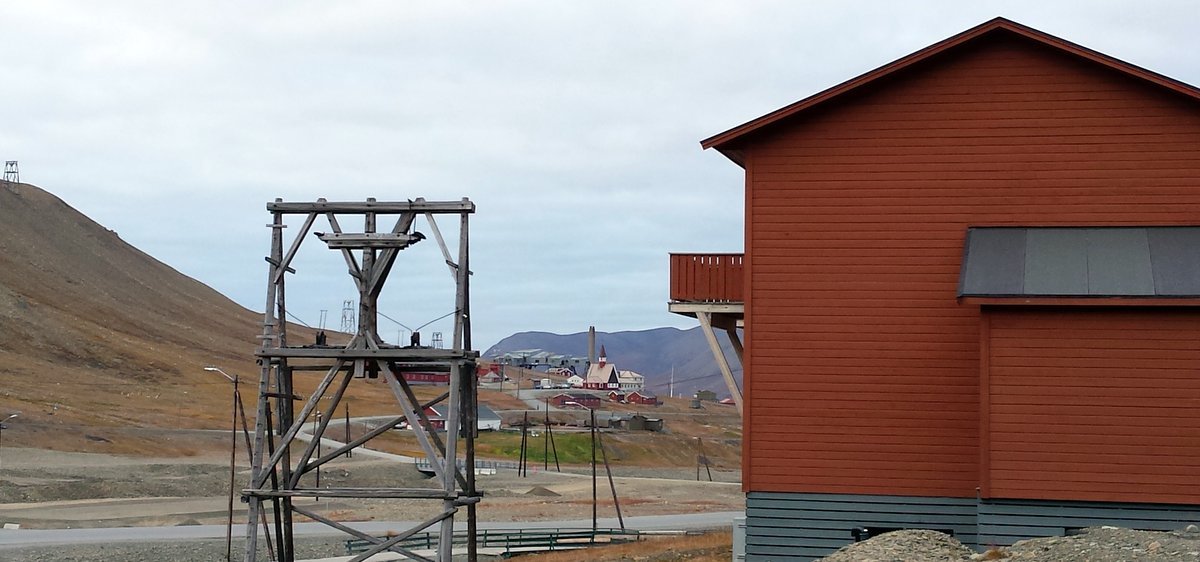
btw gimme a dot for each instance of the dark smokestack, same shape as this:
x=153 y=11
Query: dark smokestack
x=591 y=345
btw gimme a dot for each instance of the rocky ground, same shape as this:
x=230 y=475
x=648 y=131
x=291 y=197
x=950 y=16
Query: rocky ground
x=1099 y=544
x=181 y=551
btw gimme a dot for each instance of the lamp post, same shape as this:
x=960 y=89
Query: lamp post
x=598 y=439
x=2 y=426
x=593 y=428
x=232 y=459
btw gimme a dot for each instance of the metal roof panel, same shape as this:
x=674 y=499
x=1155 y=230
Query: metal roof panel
x=1118 y=262
x=1175 y=254
x=1056 y=261
x=994 y=262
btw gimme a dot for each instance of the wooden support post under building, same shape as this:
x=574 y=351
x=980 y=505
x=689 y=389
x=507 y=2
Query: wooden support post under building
x=706 y=325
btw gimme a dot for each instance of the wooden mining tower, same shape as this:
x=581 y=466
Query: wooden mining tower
x=279 y=458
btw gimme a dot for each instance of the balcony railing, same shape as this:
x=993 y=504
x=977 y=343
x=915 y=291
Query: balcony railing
x=707 y=277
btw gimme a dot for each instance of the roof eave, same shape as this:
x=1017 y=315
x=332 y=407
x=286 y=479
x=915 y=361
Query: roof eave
x=724 y=142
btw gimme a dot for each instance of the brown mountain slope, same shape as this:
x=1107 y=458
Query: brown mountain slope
x=106 y=333
x=102 y=347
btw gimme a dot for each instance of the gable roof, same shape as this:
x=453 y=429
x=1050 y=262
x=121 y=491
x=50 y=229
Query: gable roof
x=726 y=142
x=599 y=373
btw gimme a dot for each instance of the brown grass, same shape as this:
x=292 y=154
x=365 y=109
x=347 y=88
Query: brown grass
x=715 y=546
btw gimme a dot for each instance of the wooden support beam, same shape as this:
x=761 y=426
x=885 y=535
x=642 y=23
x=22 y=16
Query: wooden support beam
x=351 y=262
x=736 y=341
x=387 y=544
x=691 y=308
x=706 y=327
x=286 y=440
x=387 y=258
x=379 y=207
x=387 y=353
x=425 y=425
x=414 y=422
x=304 y=466
x=287 y=258
x=384 y=428
x=375 y=240
x=356 y=533
x=382 y=493
x=437 y=235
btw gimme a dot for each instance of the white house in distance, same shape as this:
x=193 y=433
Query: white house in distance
x=630 y=381
x=575 y=381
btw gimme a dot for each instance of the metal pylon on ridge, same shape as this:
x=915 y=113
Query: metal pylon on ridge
x=279 y=459
x=12 y=174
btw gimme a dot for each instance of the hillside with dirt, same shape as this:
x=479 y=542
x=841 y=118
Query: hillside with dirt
x=96 y=332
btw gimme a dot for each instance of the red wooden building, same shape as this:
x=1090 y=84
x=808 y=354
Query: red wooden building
x=577 y=399
x=646 y=398
x=969 y=294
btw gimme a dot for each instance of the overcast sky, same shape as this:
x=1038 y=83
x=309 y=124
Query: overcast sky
x=573 y=126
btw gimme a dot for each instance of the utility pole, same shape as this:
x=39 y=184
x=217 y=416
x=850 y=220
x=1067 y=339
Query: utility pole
x=593 y=412
x=546 y=440
x=611 y=485
x=523 y=464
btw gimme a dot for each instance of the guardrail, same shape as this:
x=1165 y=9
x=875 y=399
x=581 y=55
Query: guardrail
x=707 y=277
x=524 y=540
x=423 y=465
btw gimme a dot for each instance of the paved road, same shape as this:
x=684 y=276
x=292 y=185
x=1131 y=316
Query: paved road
x=305 y=434
x=35 y=537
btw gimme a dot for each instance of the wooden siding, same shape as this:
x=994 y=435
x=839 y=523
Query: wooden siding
x=802 y=527
x=863 y=370
x=1004 y=522
x=1094 y=404
x=707 y=277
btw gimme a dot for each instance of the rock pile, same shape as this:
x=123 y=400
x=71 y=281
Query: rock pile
x=1097 y=544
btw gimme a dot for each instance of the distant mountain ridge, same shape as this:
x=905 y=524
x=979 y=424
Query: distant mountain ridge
x=653 y=353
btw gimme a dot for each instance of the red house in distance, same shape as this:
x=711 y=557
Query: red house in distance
x=969 y=294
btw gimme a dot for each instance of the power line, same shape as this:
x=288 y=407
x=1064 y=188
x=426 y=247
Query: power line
x=677 y=381
x=402 y=324
x=289 y=313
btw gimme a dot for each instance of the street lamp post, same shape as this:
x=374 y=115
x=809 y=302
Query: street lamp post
x=239 y=411
x=232 y=460
x=598 y=439
x=2 y=426
x=593 y=432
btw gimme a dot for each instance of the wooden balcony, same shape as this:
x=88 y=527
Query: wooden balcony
x=707 y=278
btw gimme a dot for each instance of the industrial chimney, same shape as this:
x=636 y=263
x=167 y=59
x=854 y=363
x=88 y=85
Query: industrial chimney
x=591 y=345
